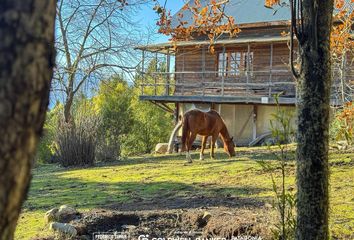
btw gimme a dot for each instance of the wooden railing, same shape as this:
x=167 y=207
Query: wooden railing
x=262 y=83
x=212 y=83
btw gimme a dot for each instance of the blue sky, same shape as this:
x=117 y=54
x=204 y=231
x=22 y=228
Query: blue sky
x=147 y=17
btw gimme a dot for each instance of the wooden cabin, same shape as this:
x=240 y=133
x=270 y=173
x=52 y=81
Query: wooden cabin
x=239 y=80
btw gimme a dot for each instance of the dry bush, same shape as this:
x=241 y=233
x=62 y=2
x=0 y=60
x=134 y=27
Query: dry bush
x=76 y=141
x=107 y=151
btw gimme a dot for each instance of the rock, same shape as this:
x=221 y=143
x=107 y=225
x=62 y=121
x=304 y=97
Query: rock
x=66 y=214
x=161 y=148
x=129 y=227
x=268 y=205
x=51 y=215
x=206 y=216
x=63 y=229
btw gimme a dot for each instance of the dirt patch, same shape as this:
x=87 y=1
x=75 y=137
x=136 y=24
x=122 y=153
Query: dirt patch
x=181 y=217
x=186 y=223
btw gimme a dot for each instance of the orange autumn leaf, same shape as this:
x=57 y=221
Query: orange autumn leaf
x=270 y=3
x=339 y=3
x=209 y=20
x=204 y=11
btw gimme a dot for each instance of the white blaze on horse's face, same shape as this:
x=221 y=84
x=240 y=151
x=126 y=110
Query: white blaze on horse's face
x=230 y=147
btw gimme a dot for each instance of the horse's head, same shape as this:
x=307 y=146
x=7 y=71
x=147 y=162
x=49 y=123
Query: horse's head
x=229 y=147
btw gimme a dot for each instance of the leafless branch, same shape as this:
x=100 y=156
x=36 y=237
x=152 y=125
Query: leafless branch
x=95 y=40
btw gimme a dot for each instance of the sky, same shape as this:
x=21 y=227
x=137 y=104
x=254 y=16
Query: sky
x=147 y=17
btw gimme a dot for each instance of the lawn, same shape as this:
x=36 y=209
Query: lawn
x=151 y=179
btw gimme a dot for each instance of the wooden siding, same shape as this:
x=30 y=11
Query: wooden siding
x=195 y=65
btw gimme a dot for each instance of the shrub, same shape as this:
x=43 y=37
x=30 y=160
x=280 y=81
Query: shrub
x=112 y=104
x=342 y=126
x=47 y=146
x=77 y=141
x=107 y=149
x=151 y=125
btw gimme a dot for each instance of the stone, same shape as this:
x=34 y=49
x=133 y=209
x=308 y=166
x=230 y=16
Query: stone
x=63 y=229
x=51 y=215
x=206 y=216
x=66 y=214
x=161 y=148
x=129 y=227
x=268 y=205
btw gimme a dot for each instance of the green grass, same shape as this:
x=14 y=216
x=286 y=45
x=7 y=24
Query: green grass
x=167 y=177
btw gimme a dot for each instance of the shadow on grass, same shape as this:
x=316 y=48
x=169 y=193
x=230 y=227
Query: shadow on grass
x=221 y=157
x=49 y=192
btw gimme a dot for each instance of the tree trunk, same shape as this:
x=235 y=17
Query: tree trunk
x=313 y=121
x=67 y=107
x=26 y=62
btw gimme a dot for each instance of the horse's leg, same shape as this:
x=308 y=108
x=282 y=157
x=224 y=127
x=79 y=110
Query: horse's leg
x=213 y=140
x=186 y=148
x=204 y=141
x=189 y=146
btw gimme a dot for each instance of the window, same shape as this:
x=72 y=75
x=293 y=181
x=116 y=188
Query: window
x=234 y=64
x=222 y=64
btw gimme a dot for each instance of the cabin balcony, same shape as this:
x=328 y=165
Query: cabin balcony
x=219 y=87
x=257 y=87
x=243 y=70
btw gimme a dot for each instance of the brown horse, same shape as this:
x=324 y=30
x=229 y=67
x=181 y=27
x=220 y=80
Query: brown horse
x=205 y=124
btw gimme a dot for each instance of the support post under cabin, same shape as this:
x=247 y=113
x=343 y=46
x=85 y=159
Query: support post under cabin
x=254 y=124
x=175 y=147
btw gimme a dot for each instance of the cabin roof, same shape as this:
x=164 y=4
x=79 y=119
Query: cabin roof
x=169 y=46
x=243 y=11
x=251 y=11
x=248 y=14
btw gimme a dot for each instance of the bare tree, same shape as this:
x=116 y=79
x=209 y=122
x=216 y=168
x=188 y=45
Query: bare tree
x=95 y=38
x=26 y=63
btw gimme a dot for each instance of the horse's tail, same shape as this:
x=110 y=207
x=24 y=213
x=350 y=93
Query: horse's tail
x=185 y=131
